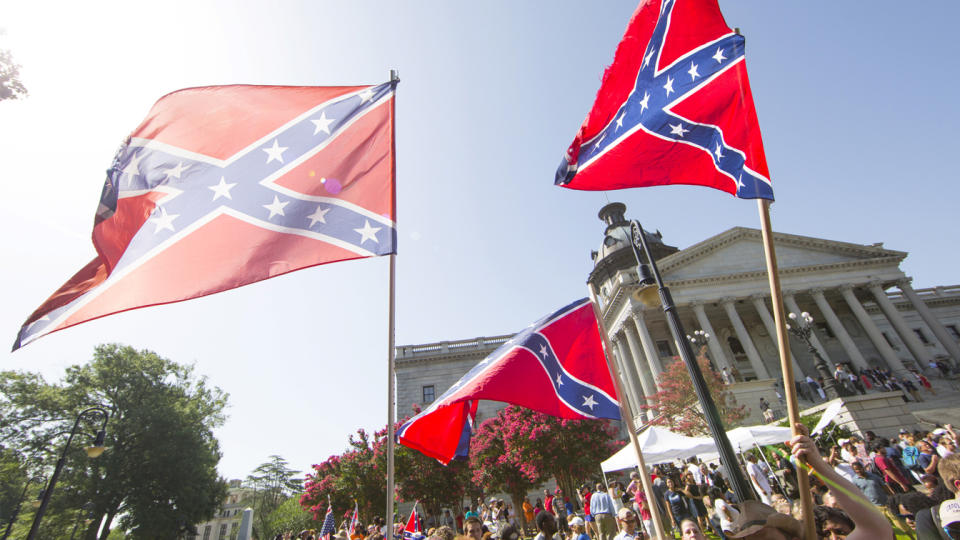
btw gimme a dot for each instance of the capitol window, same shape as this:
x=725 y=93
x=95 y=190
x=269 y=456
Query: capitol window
x=429 y=394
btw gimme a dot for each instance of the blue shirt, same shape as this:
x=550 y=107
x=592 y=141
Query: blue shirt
x=872 y=486
x=601 y=503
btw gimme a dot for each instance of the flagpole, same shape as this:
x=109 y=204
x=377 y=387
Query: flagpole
x=627 y=414
x=391 y=413
x=783 y=343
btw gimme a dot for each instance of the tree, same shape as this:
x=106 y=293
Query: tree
x=677 y=404
x=495 y=469
x=568 y=450
x=288 y=516
x=10 y=85
x=424 y=479
x=359 y=473
x=160 y=467
x=272 y=482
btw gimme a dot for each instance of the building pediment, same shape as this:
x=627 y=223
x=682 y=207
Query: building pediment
x=740 y=251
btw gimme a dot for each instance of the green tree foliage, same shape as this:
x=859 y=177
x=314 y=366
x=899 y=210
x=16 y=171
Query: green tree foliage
x=424 y=479
x=10 y=85
x=160 y=467
x=359 y=473
x=273 y=482
x=289 y=516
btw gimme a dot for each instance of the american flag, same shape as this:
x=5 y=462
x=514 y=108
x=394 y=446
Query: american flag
x=327 y=529
x=675 y=107
x=228 y=185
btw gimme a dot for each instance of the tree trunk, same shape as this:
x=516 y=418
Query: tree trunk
x=517 y=500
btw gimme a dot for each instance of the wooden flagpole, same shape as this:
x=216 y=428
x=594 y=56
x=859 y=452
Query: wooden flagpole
x=627 y=414
x=391 y=413
x=783 y=343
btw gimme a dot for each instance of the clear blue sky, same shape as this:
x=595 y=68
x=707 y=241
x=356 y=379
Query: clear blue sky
x=857 y=103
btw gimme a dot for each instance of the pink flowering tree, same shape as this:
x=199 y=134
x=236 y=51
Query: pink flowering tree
x=677 y=404
x=359 y=473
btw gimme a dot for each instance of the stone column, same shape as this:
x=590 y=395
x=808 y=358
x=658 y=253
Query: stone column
x=906 y=334
x=838 y=330
x=623 y=358
x=791 y=303
x=641 y=364
x=758 y=367
x=935 y=325
x=887 y=352
x=649 y=347
x=760 y=305
x=716 y=351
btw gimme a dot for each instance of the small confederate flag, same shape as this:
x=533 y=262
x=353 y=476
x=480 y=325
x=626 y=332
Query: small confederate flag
x=555 y=366
x=674 y=108
x=228 y=185
x=413 y=531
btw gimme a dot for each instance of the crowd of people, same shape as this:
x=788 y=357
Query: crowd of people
x=866 y=487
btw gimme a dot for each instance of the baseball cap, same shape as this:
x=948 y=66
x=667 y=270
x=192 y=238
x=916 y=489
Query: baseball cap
x=575 y=521
x=842 y=442
x=903 y=431
x=939 y=431
x=623 y=512
x=950 y=517
x=755 y=515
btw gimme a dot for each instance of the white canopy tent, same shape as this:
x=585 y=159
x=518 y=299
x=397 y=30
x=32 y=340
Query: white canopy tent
x=660 y=445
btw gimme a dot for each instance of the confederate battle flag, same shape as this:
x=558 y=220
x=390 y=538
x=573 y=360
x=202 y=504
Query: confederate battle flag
x=222 y=186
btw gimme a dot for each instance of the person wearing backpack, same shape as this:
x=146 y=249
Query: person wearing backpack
x=909 y=455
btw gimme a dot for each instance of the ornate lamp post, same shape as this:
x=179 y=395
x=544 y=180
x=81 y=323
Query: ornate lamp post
x=803 y=329
x=93 y=452
x=16 y=509
x=699 y=340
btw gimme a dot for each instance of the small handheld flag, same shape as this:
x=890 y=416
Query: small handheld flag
x=327 y=529
x=413 y=531
x=555 y=366
x=675 y=107
x=355 y=518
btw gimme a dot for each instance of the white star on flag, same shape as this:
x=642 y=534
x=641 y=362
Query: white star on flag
x=276 y=207
x=275 y=152
x=718 y=152
x=366 y=95
x=589 y=402
x=164 y=220
x=323 y=124
x=643 y=102
x=559 y=380
x=318 y=215
x=693 y=71
x=175 y=172
x=222 y=189
x=133 y=168
x=368 y=232
x=669 y=86
x=646 y=59
x=678 y=129
x=719 y=57
x=543 y=351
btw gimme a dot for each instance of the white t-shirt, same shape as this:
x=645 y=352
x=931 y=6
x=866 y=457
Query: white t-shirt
x=758 y=477
x=694 y=469
x=846 y=471
x=624 y=535
x=720 y=505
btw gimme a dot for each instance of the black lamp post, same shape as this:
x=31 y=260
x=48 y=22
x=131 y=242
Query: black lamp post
x=803 y=329
x=93 y=452
x=16 y=509
x=727 y=456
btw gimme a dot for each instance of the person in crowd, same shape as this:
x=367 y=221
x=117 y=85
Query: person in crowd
x=528 y=513
x=627 y=521
x=510 y=532
x=690 y=530
x=615 y=490
x=602 y=510
x=473 y=528
x=578 y=528
x=725 y=512
x=758 y=478
x=892 y=474
x=676 y=503
x=547 y=525
x=695 y=493
x=585 y=495
x=935 y=522
x=560 y=511
x=548 y=502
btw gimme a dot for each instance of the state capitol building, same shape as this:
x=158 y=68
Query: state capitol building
x=866 y=314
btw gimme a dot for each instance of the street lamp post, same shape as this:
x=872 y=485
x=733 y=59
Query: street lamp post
x=727 y=456
x=803 y=329
x=93 y=452
x=16 y=509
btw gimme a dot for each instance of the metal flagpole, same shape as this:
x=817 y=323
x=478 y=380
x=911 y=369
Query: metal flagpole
x=627 y=414
x=789 y=390
x=727 y=456
x=391 y=413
